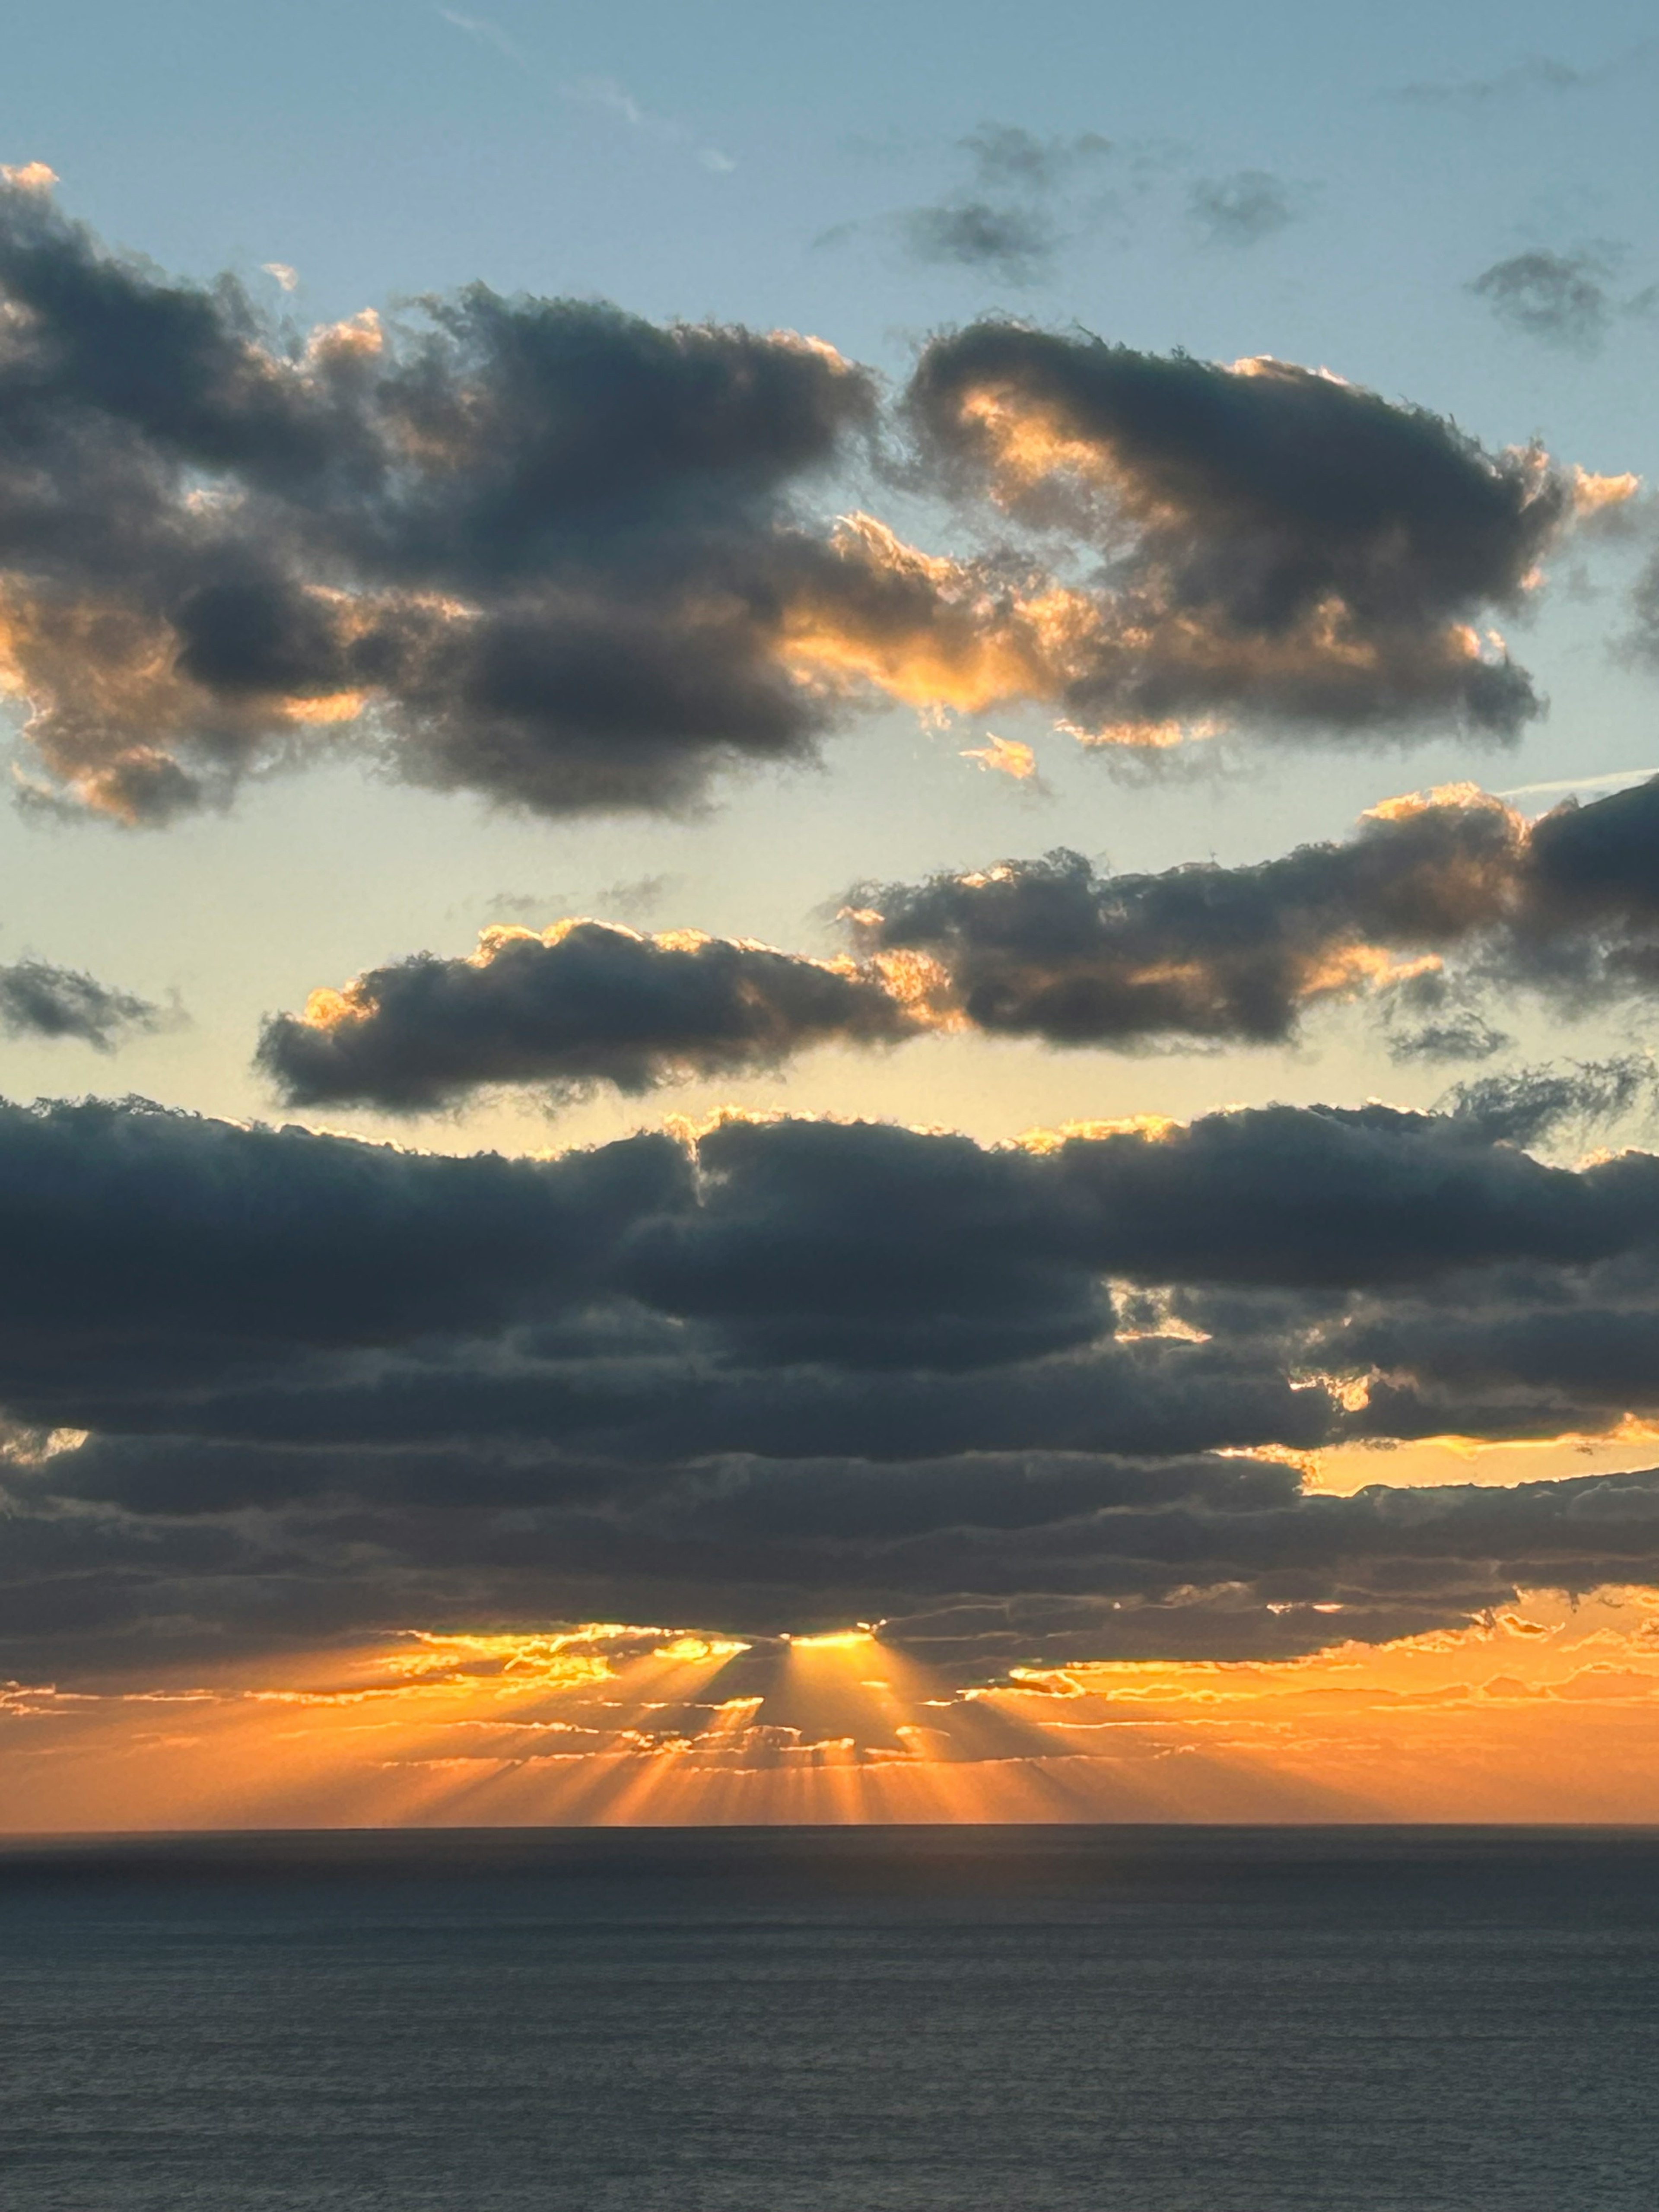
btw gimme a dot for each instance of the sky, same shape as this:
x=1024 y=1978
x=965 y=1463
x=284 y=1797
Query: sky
x=828 y=914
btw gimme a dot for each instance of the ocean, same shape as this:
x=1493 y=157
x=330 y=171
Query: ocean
x=945 y=2020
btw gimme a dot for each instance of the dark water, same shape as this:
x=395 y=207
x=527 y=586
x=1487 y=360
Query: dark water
x=963 y=2021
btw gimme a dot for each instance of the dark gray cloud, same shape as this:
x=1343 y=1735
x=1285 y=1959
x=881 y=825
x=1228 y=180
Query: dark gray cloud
x=184 y=1253
x=586 y=1003
x=550 y=553
x=1437 y=902
x=1243 y=208
x=1283 y=547
x=263 y=1385
x=975 y=1564
x=1052 y=948
x=1527 y=1105
x=40 y=1000
x=1567 y=906
x=1562 y=298
x=537 y=548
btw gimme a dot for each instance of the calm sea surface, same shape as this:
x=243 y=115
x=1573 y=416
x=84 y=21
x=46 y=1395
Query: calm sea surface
x=965 y=2021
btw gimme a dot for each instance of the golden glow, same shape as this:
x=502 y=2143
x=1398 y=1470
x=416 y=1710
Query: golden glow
x=1592 y=494
x=929 y=631
x=333 y=706
x=1428 y=1462
x=1154 y=1128
x=1004 y=756
x=1548 y=1711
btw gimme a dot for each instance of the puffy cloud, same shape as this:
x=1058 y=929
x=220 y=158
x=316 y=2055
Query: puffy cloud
x=1283 y=547
x=538 y=549
x=554 y=554
x=582 y=1002
x=1435 y=898
x=1051 y=948
x=40 y=1000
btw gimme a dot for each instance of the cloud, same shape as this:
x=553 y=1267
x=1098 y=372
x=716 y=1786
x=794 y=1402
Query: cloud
x=571 y=560
x=583 y=1002
x=1243 y=208
x=1006 y=757
x=480 y=27
x=39 y=1000
x=1009 y=220
x=604 y=93
x=1536 y=74
x=1012 y=242
x=263 y=1385
x=539 y=549
x=1006 y=157
x=1526 y=1105
x=1439 y=901
x=1286 y=549
x=1560 y=298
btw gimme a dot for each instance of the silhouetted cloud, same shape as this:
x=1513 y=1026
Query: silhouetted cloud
x=540 y=550
x=555 y=555
x=1439 y=901
x=40 y=1000
x=262 y=1385
x=1567 y=906
x=1286 y=549
x=584 y=1002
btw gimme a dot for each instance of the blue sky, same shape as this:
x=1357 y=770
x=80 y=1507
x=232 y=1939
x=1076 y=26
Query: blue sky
x=756 y=164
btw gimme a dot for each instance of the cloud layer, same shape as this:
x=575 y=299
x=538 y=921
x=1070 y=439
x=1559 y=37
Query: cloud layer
x=266 y=1386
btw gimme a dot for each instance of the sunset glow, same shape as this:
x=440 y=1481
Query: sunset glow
x=1547 y=1713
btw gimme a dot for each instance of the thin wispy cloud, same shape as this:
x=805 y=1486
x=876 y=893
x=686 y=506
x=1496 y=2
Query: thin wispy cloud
x=603 y=94
x=607 y=94
x=480 y=27
x=1537 y=74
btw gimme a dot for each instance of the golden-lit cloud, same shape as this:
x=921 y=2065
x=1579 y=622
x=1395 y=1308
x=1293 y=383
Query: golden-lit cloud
x=1004 y=756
